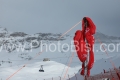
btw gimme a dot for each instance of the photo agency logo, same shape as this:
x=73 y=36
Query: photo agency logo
x=110 y=47
x=72 y=46
x=11 y=44
x=76 y=46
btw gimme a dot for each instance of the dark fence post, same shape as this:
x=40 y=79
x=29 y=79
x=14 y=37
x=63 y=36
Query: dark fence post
x=111 y=73
x=68 y=76
x=93 y=78
x=102 y=74
x=118 y=76
x=52 y=78
x=60 y=77
x=75 y=76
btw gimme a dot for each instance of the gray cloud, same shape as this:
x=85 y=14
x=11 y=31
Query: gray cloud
x=57 y=16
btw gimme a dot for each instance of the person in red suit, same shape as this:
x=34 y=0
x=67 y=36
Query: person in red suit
x=83 y=41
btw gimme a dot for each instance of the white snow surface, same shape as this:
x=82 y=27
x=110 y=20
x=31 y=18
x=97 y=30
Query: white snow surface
x=55 y=68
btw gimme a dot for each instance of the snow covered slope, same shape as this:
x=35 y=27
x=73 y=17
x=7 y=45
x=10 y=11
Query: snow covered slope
x=12 y=59
x=100 y=65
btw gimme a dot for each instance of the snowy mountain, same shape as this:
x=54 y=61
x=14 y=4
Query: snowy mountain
x=105 y=38
x=15 y=38
x=3 y=32
x=11 y=40
x=16 y=51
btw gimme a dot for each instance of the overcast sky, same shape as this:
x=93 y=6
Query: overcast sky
x=34 y=16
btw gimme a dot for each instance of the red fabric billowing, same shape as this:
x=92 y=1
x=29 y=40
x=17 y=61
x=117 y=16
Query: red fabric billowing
x=91 y=26
x=90 y=40
x=80 y=46
x=91 y=29
x=88 y=35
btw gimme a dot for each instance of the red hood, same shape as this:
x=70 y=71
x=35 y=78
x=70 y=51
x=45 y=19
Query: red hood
x=91 y=25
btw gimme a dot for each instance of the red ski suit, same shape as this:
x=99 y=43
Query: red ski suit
x=81 y=45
